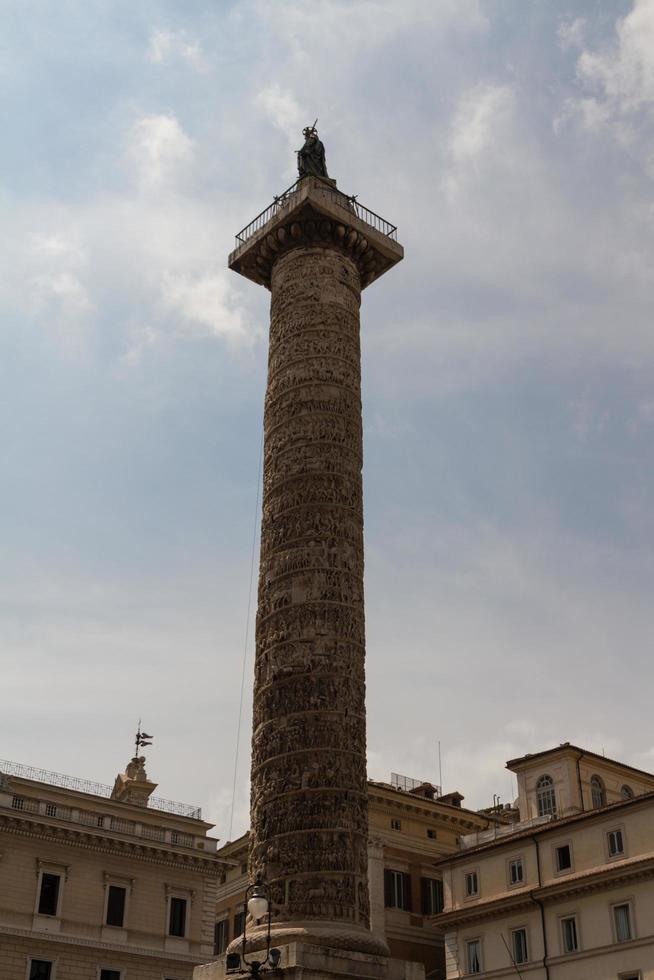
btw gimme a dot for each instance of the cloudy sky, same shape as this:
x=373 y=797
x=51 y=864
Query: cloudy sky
x=508 y=374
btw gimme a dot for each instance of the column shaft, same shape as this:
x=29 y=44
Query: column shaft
x=309 y=801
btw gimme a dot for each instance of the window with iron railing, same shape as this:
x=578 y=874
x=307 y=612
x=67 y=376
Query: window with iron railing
x=181 y=840
x=122 y=826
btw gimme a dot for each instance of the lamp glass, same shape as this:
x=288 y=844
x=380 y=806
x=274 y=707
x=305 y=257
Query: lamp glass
x=257 y=906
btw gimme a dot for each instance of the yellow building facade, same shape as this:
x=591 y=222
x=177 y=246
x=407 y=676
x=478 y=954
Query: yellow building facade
x=567 y=891
x=101 y=884
x=409 y=829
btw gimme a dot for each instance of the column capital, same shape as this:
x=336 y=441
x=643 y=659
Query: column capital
x=313 y=212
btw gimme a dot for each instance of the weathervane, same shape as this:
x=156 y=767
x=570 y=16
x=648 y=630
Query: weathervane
x=142 y=739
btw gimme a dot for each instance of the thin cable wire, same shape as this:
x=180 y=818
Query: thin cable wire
x=247 y=634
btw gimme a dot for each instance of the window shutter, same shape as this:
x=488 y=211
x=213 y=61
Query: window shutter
x=407 y=891
x=388 y=889
x=424 y=897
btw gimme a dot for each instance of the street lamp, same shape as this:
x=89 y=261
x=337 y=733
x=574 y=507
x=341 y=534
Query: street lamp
x=257 y=904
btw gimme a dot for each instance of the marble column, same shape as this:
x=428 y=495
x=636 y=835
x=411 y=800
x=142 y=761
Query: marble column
x=308 y=799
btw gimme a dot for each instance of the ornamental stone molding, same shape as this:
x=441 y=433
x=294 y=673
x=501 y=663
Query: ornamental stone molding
x=149 y=853
x=309 y=822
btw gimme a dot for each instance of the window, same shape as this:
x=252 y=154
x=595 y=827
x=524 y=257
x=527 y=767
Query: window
x=563 y=858
x=598 y=795
x=109 y=974
x=516 y=872
x=116 y=905
x=431 y=833
x=239 y=922
x=473 y=956
x=519 y=945
x=40 y=970
x=49 y=894
x=181 y=840
x=122 y=826
x=220 y=937
x=627 y=793
x=18 y=803
x=471 y=884
x=545 y=796
x=51 y=809
x=569 y=934
x=431 y=894
x=622 y=918
x=615 y=842
x=177 y=917
x=397 y=890
x=396 y=824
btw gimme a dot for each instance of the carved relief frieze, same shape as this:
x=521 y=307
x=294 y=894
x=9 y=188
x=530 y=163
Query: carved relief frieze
x=312 y=458
x=306 y=429
x=309 y=815
x=308 y=620
x=308 y=810
x=307 y=692
x=301 y=554
x=309 y=525
x=297 y=349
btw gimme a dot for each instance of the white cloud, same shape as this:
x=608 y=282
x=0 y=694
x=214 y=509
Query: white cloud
x=365 y=24
x=618 y=86
x=141 y=339
x=475 y=126
x=167 y=46
x=55 y=246
x=65 y=290
x=282 y=109
x=571 y=33
x=61 y=304
x=207 y=306
x=478 y=132
x=160 y=149
x=624 y=72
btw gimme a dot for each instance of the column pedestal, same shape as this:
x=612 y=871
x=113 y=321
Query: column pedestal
x=301 y=961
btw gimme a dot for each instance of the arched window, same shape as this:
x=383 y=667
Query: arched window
x=546 y=796
x=597 y=792
x=627 y=793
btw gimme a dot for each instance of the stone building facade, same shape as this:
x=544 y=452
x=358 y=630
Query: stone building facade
x=567 y=891
x=102 y=884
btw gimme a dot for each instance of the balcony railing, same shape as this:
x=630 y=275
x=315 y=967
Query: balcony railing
x=95 y=789
x=348 y=203
x=103 y=821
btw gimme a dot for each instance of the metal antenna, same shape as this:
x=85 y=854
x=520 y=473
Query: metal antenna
x=440 y=767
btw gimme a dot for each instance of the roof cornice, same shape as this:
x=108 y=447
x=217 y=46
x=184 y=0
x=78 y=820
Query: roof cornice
x=140 y=850
x=583 y=883
x=551 y=827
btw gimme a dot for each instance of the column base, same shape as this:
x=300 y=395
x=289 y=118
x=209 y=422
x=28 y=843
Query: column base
x=303 y=961
x=310 y=932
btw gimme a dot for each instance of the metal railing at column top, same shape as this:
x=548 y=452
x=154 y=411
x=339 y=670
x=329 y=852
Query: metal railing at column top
x=347 y=202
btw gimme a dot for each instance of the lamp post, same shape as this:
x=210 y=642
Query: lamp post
x=257 y=904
